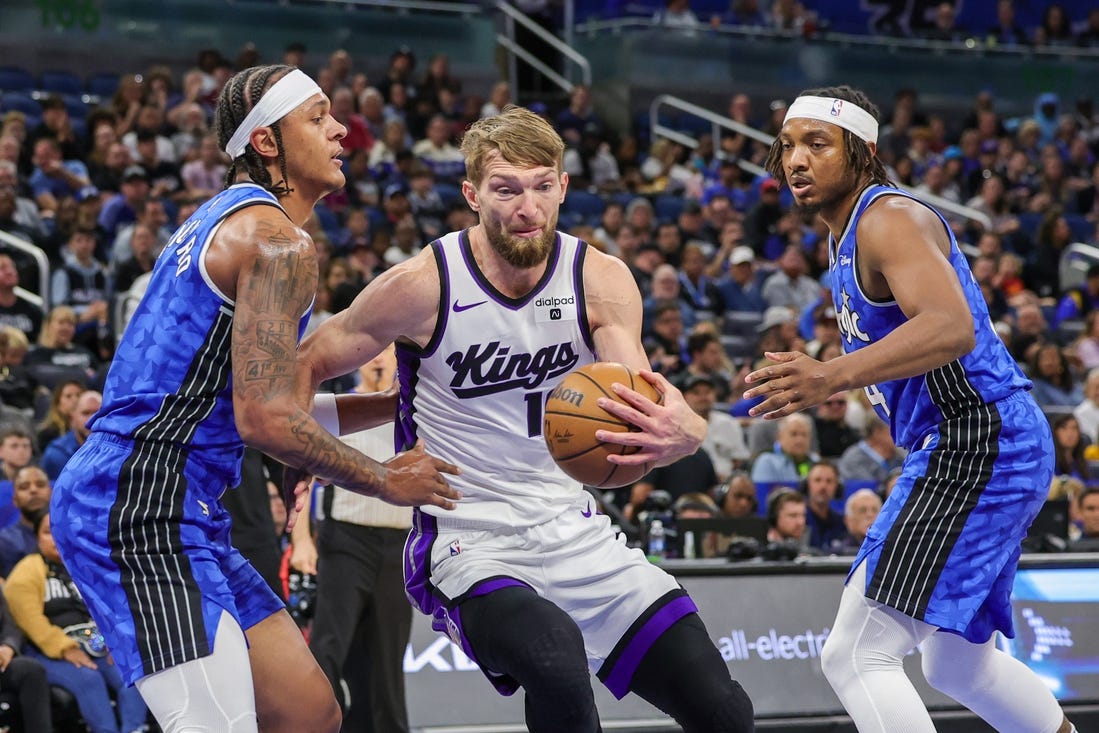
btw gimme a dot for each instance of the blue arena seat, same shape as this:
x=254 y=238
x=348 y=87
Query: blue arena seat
x=588 y=205
x=448 y=192
x=64 y=82
x=76 y=106
x=103 y=85
x=668 y=207
x=21 y=102
x=15 y=79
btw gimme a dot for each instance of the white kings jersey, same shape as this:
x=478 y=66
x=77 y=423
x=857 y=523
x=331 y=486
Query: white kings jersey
x=476 y=392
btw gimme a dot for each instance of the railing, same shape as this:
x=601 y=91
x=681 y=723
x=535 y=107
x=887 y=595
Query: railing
x=41 y=299
x=719 y=122
x=507 y=41
x=974 y=46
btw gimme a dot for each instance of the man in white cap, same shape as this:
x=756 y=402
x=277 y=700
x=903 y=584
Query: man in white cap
x=205 y=365
x=937 y=565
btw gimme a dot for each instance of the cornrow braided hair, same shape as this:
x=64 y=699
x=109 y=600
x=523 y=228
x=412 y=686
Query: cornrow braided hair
x=240 y=94
x=859 y=156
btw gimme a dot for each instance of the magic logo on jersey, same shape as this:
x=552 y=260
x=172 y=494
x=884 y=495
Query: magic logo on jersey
x=492 y=368
x=848 y=321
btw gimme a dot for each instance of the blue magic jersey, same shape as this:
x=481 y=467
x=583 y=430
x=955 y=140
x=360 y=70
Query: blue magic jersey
x=171 y=377
x=475 y=393
x=915 y=405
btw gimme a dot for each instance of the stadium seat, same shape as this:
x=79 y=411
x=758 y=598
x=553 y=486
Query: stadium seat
x=668 y=207
x=448 y=192
x=588 y=205
x=103 y=85
x=76 y=106
x=21 y=102
x=63 y=82
x=15 y=79
x=1082 y=229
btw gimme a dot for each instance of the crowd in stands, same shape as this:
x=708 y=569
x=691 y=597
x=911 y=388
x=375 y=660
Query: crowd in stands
x=727 y=268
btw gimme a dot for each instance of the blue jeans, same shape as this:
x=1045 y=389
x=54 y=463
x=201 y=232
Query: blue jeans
x=91 y=688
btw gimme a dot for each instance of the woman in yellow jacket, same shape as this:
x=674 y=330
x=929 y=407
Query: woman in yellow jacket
x=60 y=633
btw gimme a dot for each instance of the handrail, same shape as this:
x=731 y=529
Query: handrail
x=974 y=45
x=717 y=121
x=43 y=296
x=516 y=16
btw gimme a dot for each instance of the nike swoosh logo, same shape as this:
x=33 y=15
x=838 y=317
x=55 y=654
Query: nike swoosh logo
x=587 y=510
x=458 y=308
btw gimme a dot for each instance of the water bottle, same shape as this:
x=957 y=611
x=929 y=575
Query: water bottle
x=689 y=551
x=656 y=540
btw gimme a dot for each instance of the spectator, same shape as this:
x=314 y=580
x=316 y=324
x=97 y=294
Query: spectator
x=16 y=311
x=55 y=178
x=56 y=422
x=943 y=28
x=859 y=512
x=144 y=250
x=406 y=241
x=163 y=174
x=791 y=459
x=402 y=63
x=9 y=211
x=358 y=135
x=761 y=222
x=695 y=286
x=706 y=358
x=439 y=153
x=122 y=208
x=677 y=15
x=55 y=345
x=108 y=176
x=834 y=435
x=1089 y=36
x=58 y=452
x=1055 y=29
x=791 y=286
x=1029 y=333
x=24 y=676
x=741 y=289
x=427 y=205
x=1005 y=31
x=57 y=124
x=643 y=258
x=205 y=174
x=667 y=330
x=498 y=98
x=191 y=131
x=786 y=517
x=724 y=442
x=82 y=284
x=874 y=458
x=149 y=126
x=48 y=609
x=1054 y=385
x=1087 y=412
x=1078 y=302
x=737 y=498
x=1087 y=509
x=18 y=389
x=572 y=120
x=151 y=213
x=821 y=487
x=30 y=497
x=1068 y=447
x=26 y=214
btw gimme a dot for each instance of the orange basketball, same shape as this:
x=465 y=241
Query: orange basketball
x=572 y=417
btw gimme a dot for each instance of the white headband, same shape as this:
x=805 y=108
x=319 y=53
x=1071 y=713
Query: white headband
x=847 y=115
x=281 y=99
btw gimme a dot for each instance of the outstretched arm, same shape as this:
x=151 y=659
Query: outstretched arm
x=669 y=430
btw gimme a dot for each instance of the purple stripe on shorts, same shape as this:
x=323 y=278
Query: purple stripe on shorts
x=450 y=623
x=417 y=562
x=493 y=584
x=618 y=681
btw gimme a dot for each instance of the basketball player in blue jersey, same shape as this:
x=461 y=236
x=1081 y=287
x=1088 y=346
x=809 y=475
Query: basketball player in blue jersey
x=206 y=364
x=524 y=574
x=937 y=566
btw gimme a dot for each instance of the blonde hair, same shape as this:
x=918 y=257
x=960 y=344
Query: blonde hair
x=46 y=337
x=520 y=136
x=14 y=338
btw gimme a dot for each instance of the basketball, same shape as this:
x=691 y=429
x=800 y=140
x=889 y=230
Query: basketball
x=572 y=417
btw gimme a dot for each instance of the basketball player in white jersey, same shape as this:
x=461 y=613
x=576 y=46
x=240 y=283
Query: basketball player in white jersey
x=523 y=573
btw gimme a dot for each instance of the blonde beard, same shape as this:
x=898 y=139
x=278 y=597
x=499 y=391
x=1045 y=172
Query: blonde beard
x=520 y=252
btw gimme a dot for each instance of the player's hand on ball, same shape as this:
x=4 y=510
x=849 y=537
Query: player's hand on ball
x=795 y=381
x=668 y=430
x=414 y=478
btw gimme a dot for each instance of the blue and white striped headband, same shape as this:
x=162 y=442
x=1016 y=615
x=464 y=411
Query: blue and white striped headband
x=847 y=115
x=280 y=100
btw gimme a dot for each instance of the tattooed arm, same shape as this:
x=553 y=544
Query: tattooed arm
x=275 y=270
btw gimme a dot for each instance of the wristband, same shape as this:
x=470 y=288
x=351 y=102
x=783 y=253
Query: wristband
x=325 y=412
